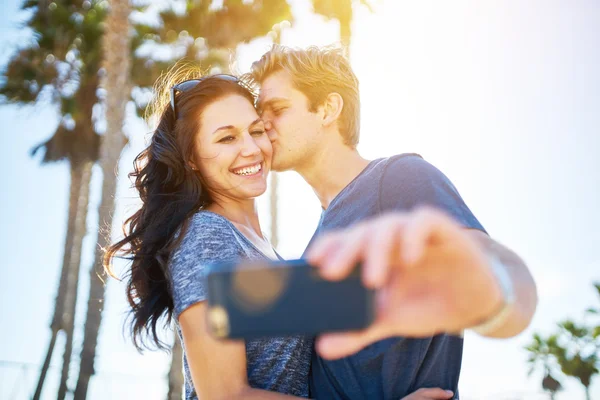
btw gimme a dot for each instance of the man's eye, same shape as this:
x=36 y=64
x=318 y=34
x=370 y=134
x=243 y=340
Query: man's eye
x=257 y=132
x=278 y=111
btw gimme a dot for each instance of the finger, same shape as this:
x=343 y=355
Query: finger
x=435 y=393
x=324 y=246
x=423 y=227
x=380 y=254
x=351 y=245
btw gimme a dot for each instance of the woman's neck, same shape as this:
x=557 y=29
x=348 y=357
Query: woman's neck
x=240 y=212
x=244 y=216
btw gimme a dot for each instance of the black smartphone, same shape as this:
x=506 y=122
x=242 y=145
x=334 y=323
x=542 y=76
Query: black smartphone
x=253 y=299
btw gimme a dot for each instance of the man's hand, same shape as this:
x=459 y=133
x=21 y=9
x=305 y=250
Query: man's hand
x=431 y=276
x=429 y=394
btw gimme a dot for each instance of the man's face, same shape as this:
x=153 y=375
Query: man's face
x=294 y=130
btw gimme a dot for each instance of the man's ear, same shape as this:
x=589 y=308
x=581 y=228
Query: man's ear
x=332 y=108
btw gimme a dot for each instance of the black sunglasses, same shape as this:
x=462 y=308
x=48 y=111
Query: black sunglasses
x=192 y=83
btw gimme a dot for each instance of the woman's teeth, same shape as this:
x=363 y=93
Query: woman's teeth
x=248 y=170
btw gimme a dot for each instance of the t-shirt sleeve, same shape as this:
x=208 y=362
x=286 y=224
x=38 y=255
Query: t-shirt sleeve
x=410 y=181
x=207 y=240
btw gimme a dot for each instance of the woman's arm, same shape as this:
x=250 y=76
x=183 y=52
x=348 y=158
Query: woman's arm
x=218 y=367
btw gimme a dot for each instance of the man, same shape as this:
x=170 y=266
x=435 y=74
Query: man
x=435 y=269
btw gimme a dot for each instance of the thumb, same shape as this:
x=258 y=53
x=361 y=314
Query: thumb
x=337 y=345
x=435 y=394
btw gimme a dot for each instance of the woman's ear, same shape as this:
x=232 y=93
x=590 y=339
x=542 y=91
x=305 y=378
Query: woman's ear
x=192 y=165
x=332 y=108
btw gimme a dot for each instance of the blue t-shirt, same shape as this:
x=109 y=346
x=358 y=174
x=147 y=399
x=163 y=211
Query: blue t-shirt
x=394 y=367
x=279 y=364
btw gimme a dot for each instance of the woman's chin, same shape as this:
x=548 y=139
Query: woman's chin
x=253 y=191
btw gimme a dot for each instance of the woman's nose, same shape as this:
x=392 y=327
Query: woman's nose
x=249 y=147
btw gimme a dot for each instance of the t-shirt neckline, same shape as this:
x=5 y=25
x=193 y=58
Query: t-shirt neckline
x=350 y=184
x=244 y=238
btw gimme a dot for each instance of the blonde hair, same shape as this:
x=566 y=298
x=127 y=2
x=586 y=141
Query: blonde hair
x=181 y=71
x=316 y=72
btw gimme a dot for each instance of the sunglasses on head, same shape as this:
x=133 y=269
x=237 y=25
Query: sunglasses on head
x=192 y=83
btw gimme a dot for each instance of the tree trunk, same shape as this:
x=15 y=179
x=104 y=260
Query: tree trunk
x=40 y=384
x=70 y=300
x=346 y=34
x=345 y=18
x=274 y=181
x=273 y=200
x=58 y=320
x=116 y=51
x=587 y=393
x=176 y=371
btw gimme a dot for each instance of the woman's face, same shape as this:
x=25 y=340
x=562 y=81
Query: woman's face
x=233 y=152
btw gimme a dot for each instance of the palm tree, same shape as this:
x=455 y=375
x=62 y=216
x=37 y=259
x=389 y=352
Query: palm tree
x=342 y=10
x=86 y=97
x=578 y=355
x=116 y=63
x=51 y=68
x=595 y=311
x=235 y=23
x=175 y=376
x=61 y=65
x=541 y=352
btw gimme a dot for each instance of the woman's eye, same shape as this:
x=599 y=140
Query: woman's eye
x=278 y=111
x=257 y=132
x=226 y=139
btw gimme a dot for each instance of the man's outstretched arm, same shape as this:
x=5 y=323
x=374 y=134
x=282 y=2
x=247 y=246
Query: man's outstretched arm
x=432 y=276
x=520 y=313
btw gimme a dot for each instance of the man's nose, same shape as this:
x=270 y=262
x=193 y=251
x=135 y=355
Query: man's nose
x=270 y=131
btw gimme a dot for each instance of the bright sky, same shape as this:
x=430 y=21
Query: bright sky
x=503 y=97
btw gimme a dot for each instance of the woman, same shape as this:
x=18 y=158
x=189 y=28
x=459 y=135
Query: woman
x=207 y=162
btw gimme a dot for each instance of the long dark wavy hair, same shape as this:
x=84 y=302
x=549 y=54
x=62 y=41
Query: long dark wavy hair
x=171 y=192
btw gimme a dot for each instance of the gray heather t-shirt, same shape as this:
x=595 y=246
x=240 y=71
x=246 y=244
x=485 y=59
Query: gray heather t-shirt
x=274 y=364
x=394 y=367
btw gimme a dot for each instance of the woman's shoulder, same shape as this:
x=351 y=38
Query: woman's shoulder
x=209 y=219
x=208 y=235
x=209 y=224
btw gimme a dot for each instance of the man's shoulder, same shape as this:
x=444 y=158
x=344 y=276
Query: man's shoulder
x=405 y=157
x=400 y=169
x=380 y=166
x=405 y=164
x=410 y=168
x=409 y=180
